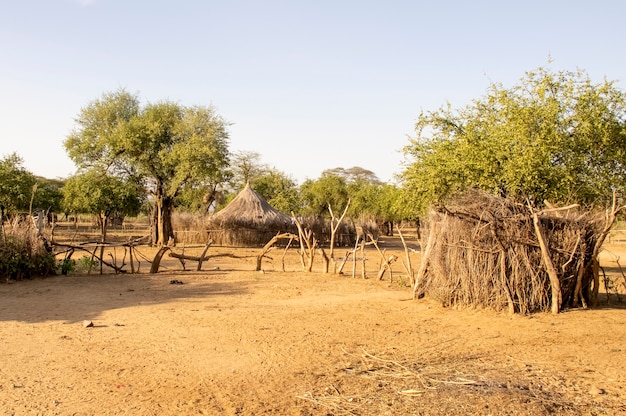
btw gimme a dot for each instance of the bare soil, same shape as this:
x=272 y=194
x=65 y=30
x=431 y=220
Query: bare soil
x=231 y=341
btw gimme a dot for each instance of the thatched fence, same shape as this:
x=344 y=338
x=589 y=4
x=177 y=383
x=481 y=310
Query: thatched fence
x=482 y=250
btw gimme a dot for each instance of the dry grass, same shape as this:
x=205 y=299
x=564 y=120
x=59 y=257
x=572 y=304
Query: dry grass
x=485 y=252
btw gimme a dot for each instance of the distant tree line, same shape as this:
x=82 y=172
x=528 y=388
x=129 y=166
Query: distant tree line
x=556 y=136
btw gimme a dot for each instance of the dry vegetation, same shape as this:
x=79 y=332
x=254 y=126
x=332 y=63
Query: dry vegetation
x=232 y=341
x=489 y=251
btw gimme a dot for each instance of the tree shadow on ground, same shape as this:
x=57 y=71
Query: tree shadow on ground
x=78 y=298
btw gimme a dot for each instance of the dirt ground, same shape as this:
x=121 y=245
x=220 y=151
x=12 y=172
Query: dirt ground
x=231 y=341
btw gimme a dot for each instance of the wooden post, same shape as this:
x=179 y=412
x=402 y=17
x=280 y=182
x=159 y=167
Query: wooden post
x=201 y=260
x=555 y=284
x=421 y=272
x=408 y=267
x=334 y=226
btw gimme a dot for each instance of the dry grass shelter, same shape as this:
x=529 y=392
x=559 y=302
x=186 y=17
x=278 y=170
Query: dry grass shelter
x=483 y=250
x=249 y=220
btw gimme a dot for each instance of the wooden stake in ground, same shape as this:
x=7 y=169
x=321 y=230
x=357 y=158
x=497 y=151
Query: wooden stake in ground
x=407 y=266
x=421 y=272
x=334 y=226
x=308 y=243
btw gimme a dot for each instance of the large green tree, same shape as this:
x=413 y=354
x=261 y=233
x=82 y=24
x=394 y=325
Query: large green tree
x=555 y=136
x=168 y=145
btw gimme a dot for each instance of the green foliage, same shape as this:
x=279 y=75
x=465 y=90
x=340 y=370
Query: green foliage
x=278 y=189
x=16 y=184
x=369 y=198
x=555 y=136
x=85 y=264
x=245 y=167
x=318 y=195
x=48 y=195
x=82 y=265
x=66 y=266
x=353 y=174
x=21 y=191
x=167 y=145
x=95 y=192
x=191 y=199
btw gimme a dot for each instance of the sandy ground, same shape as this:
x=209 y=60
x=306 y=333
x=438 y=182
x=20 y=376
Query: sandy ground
x=232 y=341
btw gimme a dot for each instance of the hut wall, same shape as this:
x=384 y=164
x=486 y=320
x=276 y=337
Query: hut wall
x=486 y=254
x=244 y=237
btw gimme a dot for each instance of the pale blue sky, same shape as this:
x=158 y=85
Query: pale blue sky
x=310 y=85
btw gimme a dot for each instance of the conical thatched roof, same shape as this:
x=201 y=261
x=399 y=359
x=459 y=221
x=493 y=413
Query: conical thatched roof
x=250 y=210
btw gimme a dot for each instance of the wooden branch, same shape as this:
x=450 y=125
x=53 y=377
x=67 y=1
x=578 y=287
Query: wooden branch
x=157 y=259
x=343 y=263
x=334 y=226
x=282 y=259
x=72 y=248
x=356 y=246
x=608 y=225
x=268 y=246
x=552 y=208
x=503 y=268
x=407 y=266
x=385 y=263
x=202 y=258
x=421 y=272
x=505 y=282
x=325 y=260
x=363 y=273
x=306 y=237
x=555 y=284
x=578 y=291
x=188 y=257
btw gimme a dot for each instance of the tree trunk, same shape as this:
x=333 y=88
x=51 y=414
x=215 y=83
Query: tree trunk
x=163 y=226
x=154 y=236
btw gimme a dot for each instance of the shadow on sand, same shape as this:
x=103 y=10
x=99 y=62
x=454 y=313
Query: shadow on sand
x=78 y=298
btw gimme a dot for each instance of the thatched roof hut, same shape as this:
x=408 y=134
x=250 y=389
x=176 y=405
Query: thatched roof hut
x=483 y=250
x=249 y=220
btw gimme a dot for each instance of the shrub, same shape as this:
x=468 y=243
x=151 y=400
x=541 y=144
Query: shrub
x=22 y=252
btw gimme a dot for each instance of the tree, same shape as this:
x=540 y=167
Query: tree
x=278 y=189
x=21 y=191
x=317 y=195
x=16 y=185
x=354 y=174
x=95 y=192
x=167 y=145
x=48 y=196
x=554 y=136
x=245 y=167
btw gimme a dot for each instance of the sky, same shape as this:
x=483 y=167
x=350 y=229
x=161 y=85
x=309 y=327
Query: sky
x=310 y=85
